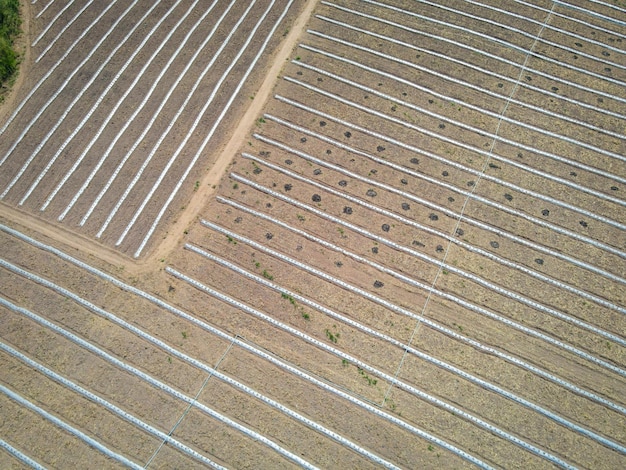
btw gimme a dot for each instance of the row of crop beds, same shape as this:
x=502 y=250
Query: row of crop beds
x=144 y=383
x=416 y=261
x=124 y=101
x=434 y=197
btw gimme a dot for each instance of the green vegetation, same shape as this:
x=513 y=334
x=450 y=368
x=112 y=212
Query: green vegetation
x=267 y=275
x=286 y=296
x=370 y=381
x=9 y=28
x=332 y=336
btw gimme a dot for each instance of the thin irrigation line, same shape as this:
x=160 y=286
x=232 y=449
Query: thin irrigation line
x=397 y=275
x=426 y=202
x=569 y=18
x=522 y=32
x=473 y=66
x=552 y=28
x=513 y=121
x=462 y=83
x=482 y=225
x=191 y=403
x=482 y=52
x=462 y=212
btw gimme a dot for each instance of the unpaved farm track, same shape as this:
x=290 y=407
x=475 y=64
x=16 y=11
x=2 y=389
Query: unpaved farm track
x=398 y=242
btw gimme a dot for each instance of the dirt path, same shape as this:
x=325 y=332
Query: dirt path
x=208 y=184
x=212 y=178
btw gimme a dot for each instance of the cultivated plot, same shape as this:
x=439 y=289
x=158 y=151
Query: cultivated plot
x=416 y=259
x=124 y=102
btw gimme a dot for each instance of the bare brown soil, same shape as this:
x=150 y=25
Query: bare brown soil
x=346 y=332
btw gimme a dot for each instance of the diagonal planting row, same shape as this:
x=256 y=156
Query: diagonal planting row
x=361 y=244
x=280 y=271
x=329 y=179
x=120 y=195
x=393 y=204
x=144 y=396
x=247 y=409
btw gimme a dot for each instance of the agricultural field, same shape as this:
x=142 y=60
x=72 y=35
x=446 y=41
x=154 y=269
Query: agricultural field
x=331 y=234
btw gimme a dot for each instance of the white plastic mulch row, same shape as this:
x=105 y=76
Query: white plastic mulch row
x=493 y=39
x=63 y=30
x=488 y=154
x=56 y=17
x=449 y=78
x=153 y=119
x=65 y=82
x=445 y=295
x=490 y=285
x=248 y=347
x=68 y=428
x=441 y=117
x=204 y=143
x=402 y=277
x=162 y=386
x=475 y=249
x=192 y=129
x=101 y=401
x=521 y=240
x=558 y=202
x=479 y=69
x=362 y=365
x=540 y=222
x=186 y=358
x=478 y=51
x=543 y=24
x=533 y=36
x=374 y=333
x=76 y=99
x=210 y=412
x=18 y=454
x=100 y=99
x=137 y=107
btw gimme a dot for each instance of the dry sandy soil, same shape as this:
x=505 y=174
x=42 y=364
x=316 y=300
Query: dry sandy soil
x=402 y=246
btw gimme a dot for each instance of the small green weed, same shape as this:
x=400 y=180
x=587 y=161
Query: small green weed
x=334 y=337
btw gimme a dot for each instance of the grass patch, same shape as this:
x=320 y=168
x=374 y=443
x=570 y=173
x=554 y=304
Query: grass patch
x=10 y=23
